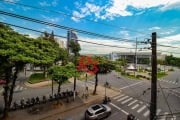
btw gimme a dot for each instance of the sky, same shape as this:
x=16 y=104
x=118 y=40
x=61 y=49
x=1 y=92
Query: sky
x=128 y=20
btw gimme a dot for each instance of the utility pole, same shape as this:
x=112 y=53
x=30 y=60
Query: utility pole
x=153 y=104
x=135 y=59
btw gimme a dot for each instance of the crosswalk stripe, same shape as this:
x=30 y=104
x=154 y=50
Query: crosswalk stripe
x=173 y=118
x=164 y=117
x=146 y=113
x=135 y=106
x=132 y=102
x=158 y=111
x=126 y=100
x=1 y=90
x=21 y=88
x=170 y=81
x=118 y=96
x=141 y=109
x=16 y=88
x=122 y=98
x=91 y=82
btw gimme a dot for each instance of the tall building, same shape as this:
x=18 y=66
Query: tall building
x=60 y=42
x=71 y=36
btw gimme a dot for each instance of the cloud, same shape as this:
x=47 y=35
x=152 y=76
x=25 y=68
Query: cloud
x=54 y=3
x=87 y=10
x=174 y=4
x=51 y=19
x=124 y=33
x=116 y=8
x=88 y=48
x=46 y=3
x=12 y=0
x=154 y=28
x=173 y=40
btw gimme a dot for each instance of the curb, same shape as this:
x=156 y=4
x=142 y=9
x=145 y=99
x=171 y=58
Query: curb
x=69 y=109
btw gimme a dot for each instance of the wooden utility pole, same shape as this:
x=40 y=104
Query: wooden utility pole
x=153 y=104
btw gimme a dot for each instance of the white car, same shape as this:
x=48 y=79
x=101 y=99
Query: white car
x=97 y=112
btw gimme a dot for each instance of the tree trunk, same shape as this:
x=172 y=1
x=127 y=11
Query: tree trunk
x=6 y=91
x=8 y=97
x=96 y=83
x=59 y=87
x=44 y=72
x=52 y=87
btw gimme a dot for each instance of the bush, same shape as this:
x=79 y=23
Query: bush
x=36 y=77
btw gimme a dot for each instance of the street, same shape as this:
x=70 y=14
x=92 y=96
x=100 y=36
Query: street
x=133 y=97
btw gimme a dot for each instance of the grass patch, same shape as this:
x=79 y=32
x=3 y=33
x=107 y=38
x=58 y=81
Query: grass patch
x=161 y=74
x=36 y=78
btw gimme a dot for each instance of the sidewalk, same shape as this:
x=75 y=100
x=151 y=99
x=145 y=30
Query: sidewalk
x=53 y=111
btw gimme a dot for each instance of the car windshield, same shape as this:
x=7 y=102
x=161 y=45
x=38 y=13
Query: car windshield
x=104 y=107
x=90 y=114
x=96 y=107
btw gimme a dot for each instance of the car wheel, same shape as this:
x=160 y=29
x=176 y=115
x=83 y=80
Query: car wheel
x=109 y=113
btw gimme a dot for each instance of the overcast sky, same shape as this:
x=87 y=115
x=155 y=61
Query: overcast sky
x=126 y=19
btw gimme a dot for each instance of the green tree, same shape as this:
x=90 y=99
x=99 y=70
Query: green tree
x=61 y=74
x=15 y=51
x=75 y=48
x=104 y=66
x=62 y=56
x=50 y=38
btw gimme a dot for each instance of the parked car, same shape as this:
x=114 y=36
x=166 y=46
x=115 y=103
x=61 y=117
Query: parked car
x=97 y=112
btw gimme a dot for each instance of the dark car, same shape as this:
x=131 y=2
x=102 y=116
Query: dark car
x=97 y=112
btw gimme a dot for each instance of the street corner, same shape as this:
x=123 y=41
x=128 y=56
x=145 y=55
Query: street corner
x=40 y=84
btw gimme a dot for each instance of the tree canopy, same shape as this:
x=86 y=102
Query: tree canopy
x=15 y=51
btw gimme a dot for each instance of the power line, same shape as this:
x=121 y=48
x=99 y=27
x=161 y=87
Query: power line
x=172 y=88
x=62 y=27
x=165 y=99
x=60 y=12
x=63 y=13
x=166 y=38
x=69 y=15
x=168 y=46
x=67 y=28
x=66 y=37
x=167 y=51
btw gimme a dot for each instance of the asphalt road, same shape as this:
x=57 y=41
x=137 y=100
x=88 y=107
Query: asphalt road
x=134 y=97
x=137 y=93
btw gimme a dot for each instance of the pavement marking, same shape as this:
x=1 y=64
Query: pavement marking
x=122 y=98
x=118 y=96
x=21 y=88
x=141 y=109
x=132 y=102
x=16 y=88
x=164 y=117
x=91 y=82
x=158 y=111
x=126 y=100
x=135 y=106
x=1 y=90
x=146 y=113
x=119 y=109
x=131 y=85
x=173 y=118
